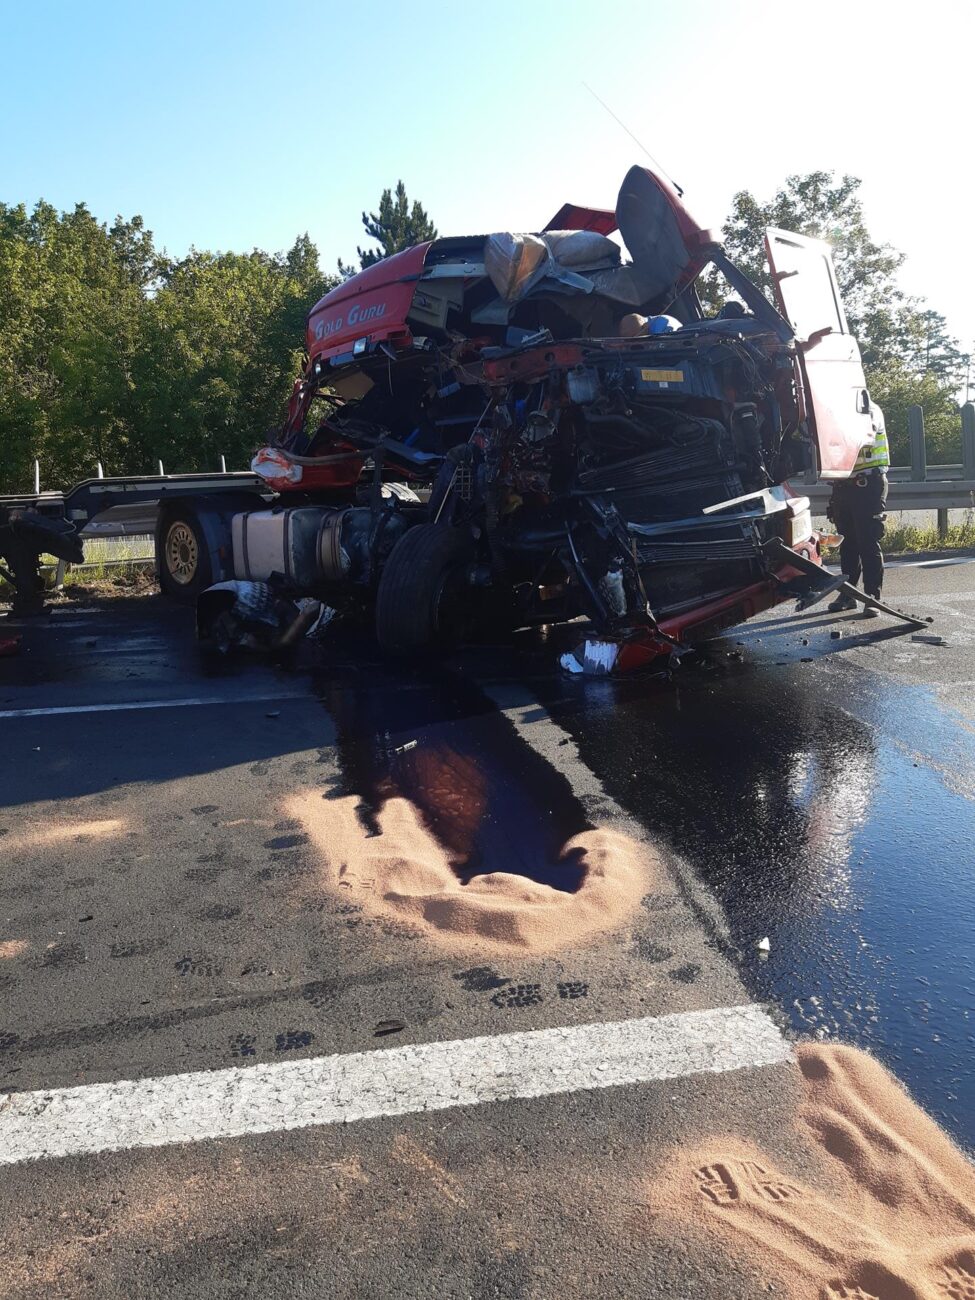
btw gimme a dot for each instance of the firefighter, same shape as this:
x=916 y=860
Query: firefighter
x=857 y=509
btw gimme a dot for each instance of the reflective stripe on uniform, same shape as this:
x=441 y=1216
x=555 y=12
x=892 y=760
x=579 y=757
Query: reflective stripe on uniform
x=876 y=454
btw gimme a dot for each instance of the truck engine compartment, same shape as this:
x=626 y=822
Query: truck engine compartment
x=612 y=448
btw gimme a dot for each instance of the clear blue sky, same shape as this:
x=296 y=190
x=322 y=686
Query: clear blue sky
x=234 y=125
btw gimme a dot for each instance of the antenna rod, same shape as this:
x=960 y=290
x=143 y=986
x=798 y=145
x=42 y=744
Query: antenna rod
x=621 y=123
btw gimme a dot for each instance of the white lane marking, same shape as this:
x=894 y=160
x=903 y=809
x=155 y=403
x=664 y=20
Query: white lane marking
x=398 y=1081
x=930 y=564
x=152 y=704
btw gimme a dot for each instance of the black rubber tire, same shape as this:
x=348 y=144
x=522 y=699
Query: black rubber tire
x=182 y=554
x=408 y=603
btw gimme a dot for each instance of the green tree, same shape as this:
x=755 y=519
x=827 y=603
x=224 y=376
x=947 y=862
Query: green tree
x=112 y=353
x=824 y=207
x=397 y=225
x=224 y=340
x=938 y=353
x=909 y=356
x=896 y=387
x=71 y=304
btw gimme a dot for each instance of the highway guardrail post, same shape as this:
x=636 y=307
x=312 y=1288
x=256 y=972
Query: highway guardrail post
x=915 y=430
x=968 y=440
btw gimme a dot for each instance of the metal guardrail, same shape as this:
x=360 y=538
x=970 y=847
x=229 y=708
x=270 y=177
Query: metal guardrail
x=917 y=486
x=949 y=491
x=912 y=487
x=932 y=494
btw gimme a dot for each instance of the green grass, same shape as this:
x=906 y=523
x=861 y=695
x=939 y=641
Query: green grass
x=910 y=538
x=111 y=558
x=118 y=565
x=901 y=539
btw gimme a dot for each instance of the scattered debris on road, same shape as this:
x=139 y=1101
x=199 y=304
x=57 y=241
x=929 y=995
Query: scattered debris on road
x=254 y=616
x=385 y=1027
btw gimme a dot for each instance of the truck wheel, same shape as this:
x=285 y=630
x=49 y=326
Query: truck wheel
x=182 y=555
x=420 y=603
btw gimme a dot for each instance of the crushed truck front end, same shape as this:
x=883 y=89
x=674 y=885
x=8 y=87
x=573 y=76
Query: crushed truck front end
x=523 y=429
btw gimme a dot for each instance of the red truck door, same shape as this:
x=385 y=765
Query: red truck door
x=829 y=358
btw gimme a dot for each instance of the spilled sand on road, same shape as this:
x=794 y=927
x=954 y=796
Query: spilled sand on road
x=898 y=1222
x=405 y=872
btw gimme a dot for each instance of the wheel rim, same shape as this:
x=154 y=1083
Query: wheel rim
x=182 y=553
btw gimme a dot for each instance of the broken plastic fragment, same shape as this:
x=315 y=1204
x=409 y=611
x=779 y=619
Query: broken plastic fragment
x=764 y=945
x=599 y=656
x=276 y=466
x=385 y=1027
x=593 y=657
x=325 y=614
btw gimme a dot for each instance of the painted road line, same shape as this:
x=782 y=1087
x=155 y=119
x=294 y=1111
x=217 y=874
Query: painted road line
x=153 y=704
x=930 y=564
x=366 y=1085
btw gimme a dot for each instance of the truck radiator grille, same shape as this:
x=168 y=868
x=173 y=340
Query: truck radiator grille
x=695 y=552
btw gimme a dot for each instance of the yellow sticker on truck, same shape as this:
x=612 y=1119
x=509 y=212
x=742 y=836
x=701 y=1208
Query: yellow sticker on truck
x=662 y=376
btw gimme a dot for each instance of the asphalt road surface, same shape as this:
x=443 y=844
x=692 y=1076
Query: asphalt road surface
x=428 y=1120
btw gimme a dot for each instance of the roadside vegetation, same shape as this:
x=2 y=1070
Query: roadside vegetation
x=909 y=355
x=907 y=538
x=113 y=566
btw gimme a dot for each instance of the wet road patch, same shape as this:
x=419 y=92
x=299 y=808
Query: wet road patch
x=826 y=808
x=437 y=742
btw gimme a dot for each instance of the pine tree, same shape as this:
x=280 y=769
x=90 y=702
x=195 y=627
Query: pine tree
x=397 y=225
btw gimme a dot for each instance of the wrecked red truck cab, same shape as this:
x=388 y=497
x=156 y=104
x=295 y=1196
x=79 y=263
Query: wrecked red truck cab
x=518 y=429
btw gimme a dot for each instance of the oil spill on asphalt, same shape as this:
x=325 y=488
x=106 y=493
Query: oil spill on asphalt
x=801 y=798
x=434 y=739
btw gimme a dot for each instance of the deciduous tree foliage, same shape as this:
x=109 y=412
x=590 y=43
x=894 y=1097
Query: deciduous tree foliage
x=908 y=354
x=110 y=352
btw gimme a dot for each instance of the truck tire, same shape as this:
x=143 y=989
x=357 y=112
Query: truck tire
x=425 y=570
x=182 y=554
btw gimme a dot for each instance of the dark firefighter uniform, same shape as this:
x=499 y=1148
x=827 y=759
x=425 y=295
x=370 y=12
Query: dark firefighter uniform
x=857 y=509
